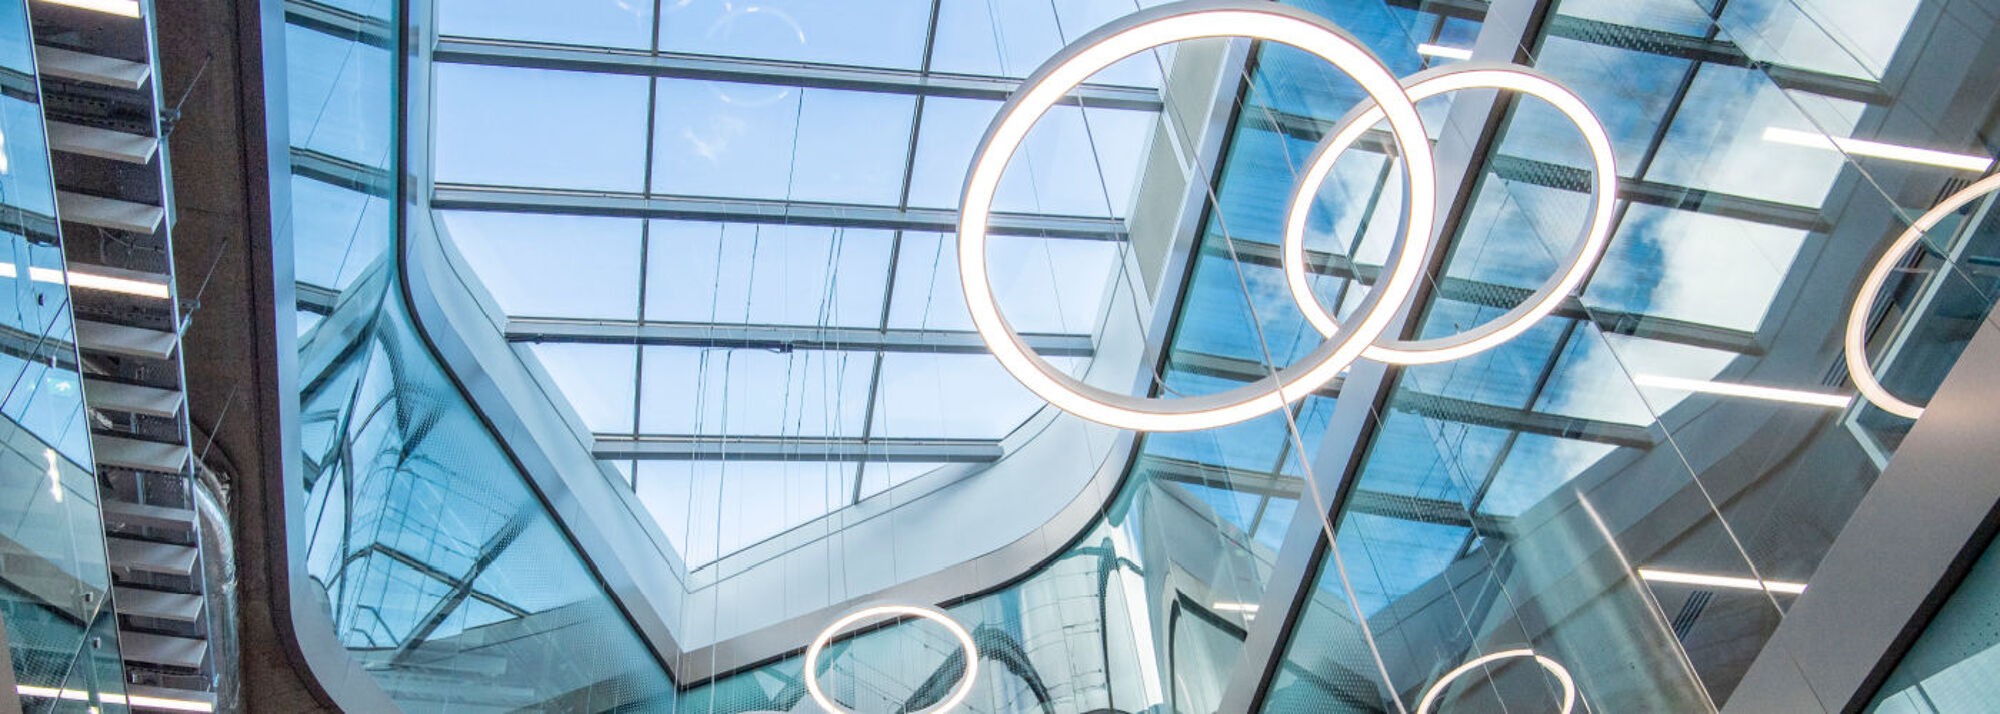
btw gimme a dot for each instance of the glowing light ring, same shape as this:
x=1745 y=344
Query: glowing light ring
x=1871 y=287
x=1582 y=257
x=1555 y=668
x=1101 y=48
x=958 y=632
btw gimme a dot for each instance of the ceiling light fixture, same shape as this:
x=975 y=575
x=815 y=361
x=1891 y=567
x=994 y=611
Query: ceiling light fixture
x=1856 y=343
x=1234 y=607
x=1720 y=581
x=958 y=632
x=1103 y=47
x=121 y=8
x=1440 y=51
x=1748 y=391
x=1864 y=147
x=1583 y=255
x=1556 y=669
x=89 y=281
x=135 y=700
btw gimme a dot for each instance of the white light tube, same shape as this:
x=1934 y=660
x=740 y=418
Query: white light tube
x=1235 y=607
x=89 y=281
x=1863 y=147
x=1747 y=391
x=1719 y=581
x=121 y=8
x=1440 y=51
x=77 y=695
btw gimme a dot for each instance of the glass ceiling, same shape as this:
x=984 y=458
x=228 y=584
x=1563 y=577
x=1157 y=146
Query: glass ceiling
x=721 y=228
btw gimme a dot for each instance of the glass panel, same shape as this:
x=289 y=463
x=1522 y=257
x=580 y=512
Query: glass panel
x=750 y=392
x=552 y=266
x=1078 y=162
x=766 y=274
x=712 y=508
x=596 y=379
x=889 y=33
x=1043 y=285
x=778 y=142
x=582 y=131
x=927 y=396
x=612 y=23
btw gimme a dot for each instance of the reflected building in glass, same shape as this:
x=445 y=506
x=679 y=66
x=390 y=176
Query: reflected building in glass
x=617 y=356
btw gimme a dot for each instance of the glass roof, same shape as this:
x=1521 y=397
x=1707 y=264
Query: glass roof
x=783 y=278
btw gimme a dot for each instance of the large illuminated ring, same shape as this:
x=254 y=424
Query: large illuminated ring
x=1871 y=287
x=1577 y=265
x=1101 y=48
x=958 y=632
x=1554 y=668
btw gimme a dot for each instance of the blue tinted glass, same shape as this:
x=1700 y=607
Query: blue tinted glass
x=24 y=165
x=927 y=396
x=580 y=130
x=611 y=23
x=1057 y=169
x=766 y=141
x=1695 y=267
x=335 y=96
x=595 y=379
x=751 y=392
x=766 y=274
x=885 y=34
x=1011 y=39
x=1043 y=284
x=338 y=234
x=712 y=508
x=552 y=266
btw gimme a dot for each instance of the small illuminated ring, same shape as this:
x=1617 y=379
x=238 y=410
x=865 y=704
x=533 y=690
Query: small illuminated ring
x=958 y=632
x=1554 y=668
x=1101 y=48
x=1582 y=257
x=1871 y=287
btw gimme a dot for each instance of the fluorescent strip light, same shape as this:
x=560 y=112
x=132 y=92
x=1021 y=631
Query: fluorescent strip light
x=1731 y=389
x=128 y=286
x=77 y=695
x=1235 y=607
x=121 y=8
x=1443 y=52
x=1863 y=147
x=89 y=281
x=179 y=705
x=1718 y=581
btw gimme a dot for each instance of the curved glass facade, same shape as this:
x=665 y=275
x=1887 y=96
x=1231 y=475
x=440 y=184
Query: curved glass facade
x=721 y=235
x=442 y=573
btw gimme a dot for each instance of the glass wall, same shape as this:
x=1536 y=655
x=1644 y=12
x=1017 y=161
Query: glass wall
x=1640 y=486
x=55 y=580
x=443 y=573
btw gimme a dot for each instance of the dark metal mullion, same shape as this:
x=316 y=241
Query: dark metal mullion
x=895 y=254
